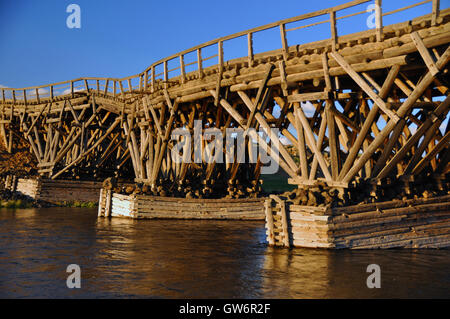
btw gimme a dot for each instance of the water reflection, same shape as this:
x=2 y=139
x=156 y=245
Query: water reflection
x=204 y=259
x=193 y=259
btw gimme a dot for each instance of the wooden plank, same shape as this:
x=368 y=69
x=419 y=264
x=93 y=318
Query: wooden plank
x=443 y=143
x=199 y=63
x=326 y=73
x=284 y=43
x=322 y=129
x=262 y=87
x=269 y=221
x=284 y=221
x=363 y=85
x=378 y=20
x=312 y=143
x=250 y=48
x=426 y=56
x=333 y=30
x=332 y=140
x=301 y=145
x=435 y=12
x=304 y=97
x=182 y=69
x=368 y=122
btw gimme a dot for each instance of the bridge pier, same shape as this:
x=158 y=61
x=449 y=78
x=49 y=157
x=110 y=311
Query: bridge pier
x=158 y=207
x=55 y=191
x=414 y=223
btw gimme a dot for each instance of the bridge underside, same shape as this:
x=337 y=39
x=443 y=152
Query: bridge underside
x=369 y=117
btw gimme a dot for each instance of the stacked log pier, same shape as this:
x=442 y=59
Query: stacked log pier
x=414 y=223
x=29 y=187
x=55 y=191
x=157 y=207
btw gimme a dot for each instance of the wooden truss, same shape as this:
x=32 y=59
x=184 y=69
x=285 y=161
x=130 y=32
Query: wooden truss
x=344 y=117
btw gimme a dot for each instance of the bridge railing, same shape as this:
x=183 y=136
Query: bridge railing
x=159 y=71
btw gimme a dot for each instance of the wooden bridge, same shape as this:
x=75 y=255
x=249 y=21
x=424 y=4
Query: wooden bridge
x=378 y=99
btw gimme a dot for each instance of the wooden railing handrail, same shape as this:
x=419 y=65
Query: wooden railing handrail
x=147 y=77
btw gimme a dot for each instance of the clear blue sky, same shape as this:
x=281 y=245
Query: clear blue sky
x=121 y=38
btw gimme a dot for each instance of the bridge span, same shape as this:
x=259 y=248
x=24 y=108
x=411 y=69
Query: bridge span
x=366 y=112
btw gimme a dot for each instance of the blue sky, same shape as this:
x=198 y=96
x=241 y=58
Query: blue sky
x=121 y=38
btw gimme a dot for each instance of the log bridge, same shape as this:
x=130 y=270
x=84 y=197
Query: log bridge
x=365 y=114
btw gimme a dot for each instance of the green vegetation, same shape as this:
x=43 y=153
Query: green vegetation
x=77 y=204
x=18 y=203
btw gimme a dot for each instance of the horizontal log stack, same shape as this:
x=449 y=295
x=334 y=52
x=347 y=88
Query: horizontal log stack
x=68 y=190
x=157 y=207
x=414 y=223
x=56 y=191
x=29 y=187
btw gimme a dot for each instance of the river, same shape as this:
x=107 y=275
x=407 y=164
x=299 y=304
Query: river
x=194 y=259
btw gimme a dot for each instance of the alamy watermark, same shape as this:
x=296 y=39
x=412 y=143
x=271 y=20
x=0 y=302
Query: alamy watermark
x=370 y=21
x=74 y=279
x=374 y=279
x=73 y=21
x=208 y=146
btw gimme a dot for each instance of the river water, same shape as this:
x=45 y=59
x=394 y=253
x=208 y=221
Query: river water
x=194 y=259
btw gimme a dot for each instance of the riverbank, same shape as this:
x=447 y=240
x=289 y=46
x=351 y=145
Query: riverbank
x=16 y=200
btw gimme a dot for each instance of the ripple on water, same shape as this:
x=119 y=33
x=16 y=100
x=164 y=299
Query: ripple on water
x=193 y=259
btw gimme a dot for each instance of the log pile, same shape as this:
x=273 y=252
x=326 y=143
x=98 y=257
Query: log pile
x=196 y=185
x=29 y=187
x=413 y=223
x=47 y=191
x=20 y=161
x=366 y=191
x=157 y=207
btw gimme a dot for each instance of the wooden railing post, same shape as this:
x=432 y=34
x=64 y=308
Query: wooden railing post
x=199 y=63
x=284 y=41
x=71 y=88
x=37 y=95
x=106 y=86
x=145 y=80
x=51 y=92
x=435 y=12
x=121 y=87
x=220 y=72
x=378 y=20
x=153 y=78
x=114 y=88
x=220 y=54
x=129 y=85
x=333 y=30
x=182 y=69
x=250 y=48
x=166 y=74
